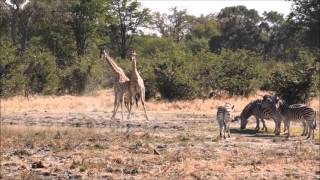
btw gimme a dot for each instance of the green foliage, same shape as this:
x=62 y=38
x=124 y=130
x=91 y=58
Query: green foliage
x=237 y=72
x=197 y=45
x=51 y=47
x=297 y=81
x=32 y=72
x=175 y=76
x=238 y=25
x=124 y=17
x=306 y=13
x=89 y=73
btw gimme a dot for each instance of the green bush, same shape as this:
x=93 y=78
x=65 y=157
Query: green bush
x=175 y=76
x=237 y=72
x=41 y=71
x=87 y=74
x=34 y=71
x=298 y=81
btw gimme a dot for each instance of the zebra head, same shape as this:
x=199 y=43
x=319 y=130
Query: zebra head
x=269 y=102
x=243 y=121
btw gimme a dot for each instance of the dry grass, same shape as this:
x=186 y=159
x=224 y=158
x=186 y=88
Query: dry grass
x=103 y=101
x=192 y=153
x=175 y=143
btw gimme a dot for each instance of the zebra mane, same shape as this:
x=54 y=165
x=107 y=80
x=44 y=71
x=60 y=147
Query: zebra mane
x=247 y=111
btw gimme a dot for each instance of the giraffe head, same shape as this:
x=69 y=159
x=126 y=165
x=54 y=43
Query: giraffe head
x=103 y=52
x=133 y=55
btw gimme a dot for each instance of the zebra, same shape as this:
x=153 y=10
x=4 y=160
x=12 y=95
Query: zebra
x=224 y=118
x=253 y=109
x=298 y=112
x=294 y=112
x=268 y=108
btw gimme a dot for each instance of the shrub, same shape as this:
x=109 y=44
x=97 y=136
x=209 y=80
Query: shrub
x=175 y=76
x=298 y=81
x=34 y=71
x=237 y=72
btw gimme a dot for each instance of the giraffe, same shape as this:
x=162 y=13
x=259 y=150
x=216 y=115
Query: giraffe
x=121 y=83
x=137 y=88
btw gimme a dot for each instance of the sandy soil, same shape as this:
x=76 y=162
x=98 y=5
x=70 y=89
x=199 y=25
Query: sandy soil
x=57 y=137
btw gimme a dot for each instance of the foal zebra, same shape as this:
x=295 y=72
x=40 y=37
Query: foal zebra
x=295 y=112
x=224 y=117
x=253 y=109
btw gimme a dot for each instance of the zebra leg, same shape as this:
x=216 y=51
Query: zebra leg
x=277 y=127
x=304 y=132
x=220 y=128
x=258 y=124
x=224 y=131
x=310 y=129
x=288 y=126
x=228 y=127
x=264 y=125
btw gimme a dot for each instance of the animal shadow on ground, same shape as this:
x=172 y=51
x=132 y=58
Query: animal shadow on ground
x=251 y=133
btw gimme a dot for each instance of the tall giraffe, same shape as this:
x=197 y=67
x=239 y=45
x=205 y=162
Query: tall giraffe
x=137 y=88
x=121 y=83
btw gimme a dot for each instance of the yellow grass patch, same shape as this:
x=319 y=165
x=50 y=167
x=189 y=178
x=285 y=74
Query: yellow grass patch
x=103 y=101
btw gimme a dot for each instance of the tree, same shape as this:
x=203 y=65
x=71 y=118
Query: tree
x=4 y=18
x=307 y=14
x=269 y=26
x=176 y=25
x=124 y=17
x=205 y=27
x=83 y=22
x=239 y=28
x=53 y=30
x=23 y=14
x=298 y=81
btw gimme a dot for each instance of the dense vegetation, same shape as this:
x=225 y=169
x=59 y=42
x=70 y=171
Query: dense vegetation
x=51 y=47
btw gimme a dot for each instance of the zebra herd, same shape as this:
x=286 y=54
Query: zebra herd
x=270 y=107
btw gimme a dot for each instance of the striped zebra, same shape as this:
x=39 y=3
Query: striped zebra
x=224 y=118
x=253 y=109
x=295 y=112
x=298 y=112
x=269 y=109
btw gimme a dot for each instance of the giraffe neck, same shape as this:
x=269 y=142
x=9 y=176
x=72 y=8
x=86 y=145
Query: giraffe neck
x=118 y=72
x=134 y=71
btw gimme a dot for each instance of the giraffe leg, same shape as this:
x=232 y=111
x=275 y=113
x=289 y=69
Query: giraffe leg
x=144 y=106
x=115 y=103
x=130 y=105
x=116 y=106
x=121 y=104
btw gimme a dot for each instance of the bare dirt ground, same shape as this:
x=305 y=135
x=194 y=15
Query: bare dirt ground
x=66 y=141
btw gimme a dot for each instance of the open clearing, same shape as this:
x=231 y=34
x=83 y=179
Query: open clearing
x=170 y=145
x=74 y=142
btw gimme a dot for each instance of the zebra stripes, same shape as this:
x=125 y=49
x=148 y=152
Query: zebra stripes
x=298 y=112
x=253 y=109
x=288 y=113
x=269 y=108
x=224 y=117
